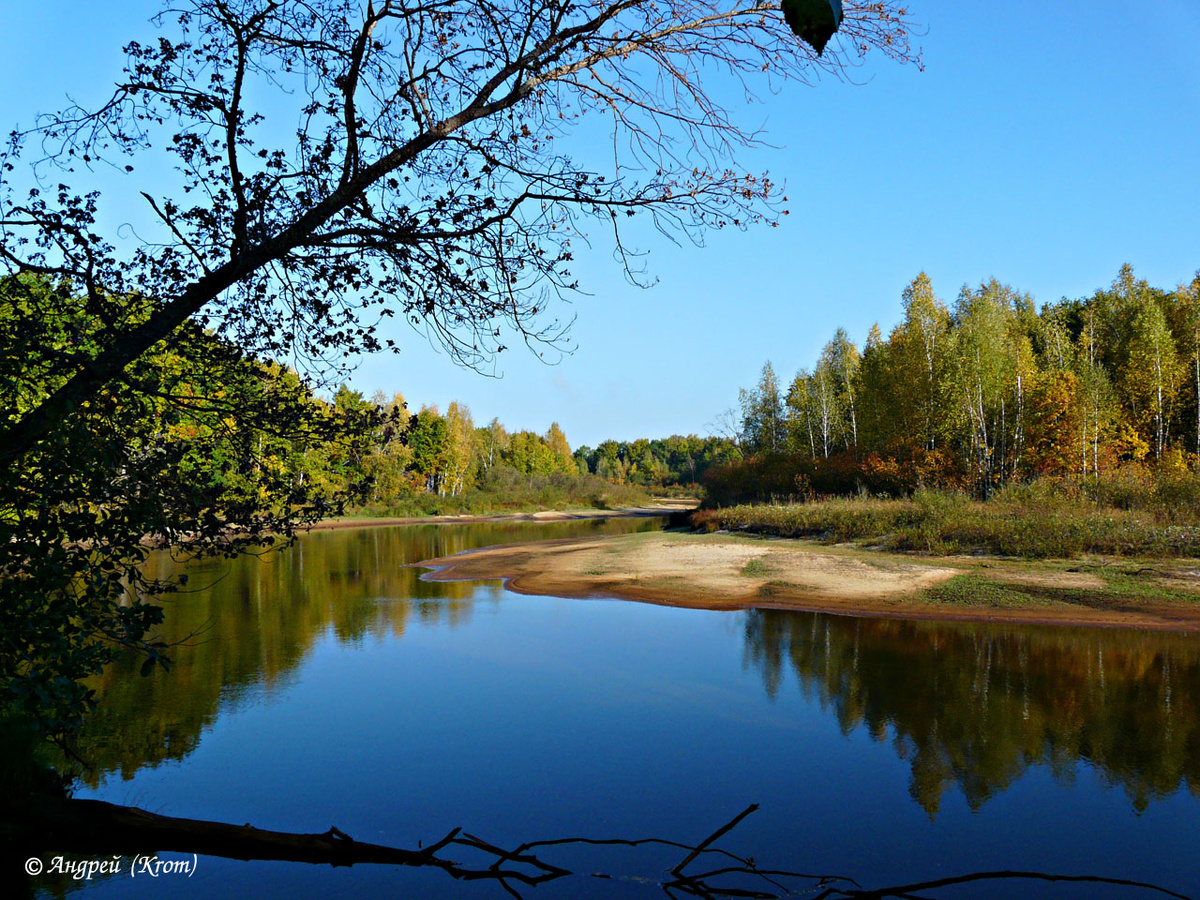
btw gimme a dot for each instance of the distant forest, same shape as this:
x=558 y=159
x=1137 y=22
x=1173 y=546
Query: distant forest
x=443 y=461
x=976 y=395
x=970 y=397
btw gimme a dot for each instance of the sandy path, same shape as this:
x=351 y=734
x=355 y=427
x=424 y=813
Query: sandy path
x=728 y=572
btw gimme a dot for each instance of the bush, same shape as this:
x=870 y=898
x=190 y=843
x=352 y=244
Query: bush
x=783 y=477
x=1042 y=519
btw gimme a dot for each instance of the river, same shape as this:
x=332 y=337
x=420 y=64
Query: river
x=329 y=684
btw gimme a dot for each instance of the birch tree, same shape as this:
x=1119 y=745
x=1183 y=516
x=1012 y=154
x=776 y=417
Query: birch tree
x=1151 y=375
x=1188 y=302
x=844 y=360
x=460 y=447
x=982 y=362
x=762 y=413
x=925 y=331
x=799 y=416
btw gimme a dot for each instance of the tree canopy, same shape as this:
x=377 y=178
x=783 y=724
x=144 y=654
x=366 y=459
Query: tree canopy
x=331 y=166
x=425 y=175
x=197 y=445
x=987 y=392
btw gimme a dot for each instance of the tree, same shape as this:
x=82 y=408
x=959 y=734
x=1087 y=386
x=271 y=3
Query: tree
x=1053 y=424
x=424 y=182
x=1150 y=379
x=1099 y=412
x=493 y=441
x=762 y=413
x=925 y=327
x=799 y=416
x=460 y=446
x=1187 y=303
x=557 y=442
x=529 y=454
x=197 y=446
x=429 y=440
x=825 y=401
x=985 y=372
x=876 y=379
x=844 y=360
x=389 y=456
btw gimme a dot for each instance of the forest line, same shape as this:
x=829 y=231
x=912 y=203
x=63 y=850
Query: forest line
x=968 y=397
x=989 y=391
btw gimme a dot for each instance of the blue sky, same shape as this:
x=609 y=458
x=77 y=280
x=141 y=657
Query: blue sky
x=1044 y=144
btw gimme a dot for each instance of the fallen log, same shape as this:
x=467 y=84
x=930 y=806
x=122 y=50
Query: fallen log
x=97 y=827
x=58 y=825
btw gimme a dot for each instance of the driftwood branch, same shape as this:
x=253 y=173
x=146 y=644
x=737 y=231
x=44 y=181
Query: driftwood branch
x=96 y=827
x=907 y=890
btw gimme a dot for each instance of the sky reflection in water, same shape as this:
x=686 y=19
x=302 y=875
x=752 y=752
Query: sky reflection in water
x=333 y=686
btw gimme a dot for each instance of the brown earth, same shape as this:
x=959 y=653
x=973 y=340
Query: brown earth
x=731 y=572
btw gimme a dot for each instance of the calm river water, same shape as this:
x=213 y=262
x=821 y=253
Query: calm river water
x=329 y=685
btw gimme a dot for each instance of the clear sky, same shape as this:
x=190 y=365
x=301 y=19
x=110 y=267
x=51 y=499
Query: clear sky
x=1044 y=144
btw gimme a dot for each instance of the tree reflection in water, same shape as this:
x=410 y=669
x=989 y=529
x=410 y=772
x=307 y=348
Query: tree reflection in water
x=248 y=624
x=975 y=705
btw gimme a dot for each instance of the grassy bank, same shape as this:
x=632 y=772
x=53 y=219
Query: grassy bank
x=1031 y=521
x=513 y=493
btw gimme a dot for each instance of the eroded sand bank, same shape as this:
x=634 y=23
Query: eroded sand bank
x=732 y=572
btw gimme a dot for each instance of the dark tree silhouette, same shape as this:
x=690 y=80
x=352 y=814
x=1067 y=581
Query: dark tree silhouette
x=94 y=827
x=425 y=178
x=334 y=166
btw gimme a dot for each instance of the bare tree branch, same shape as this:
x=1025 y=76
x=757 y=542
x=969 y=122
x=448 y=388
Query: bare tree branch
x=93 y=826
x=425 y=179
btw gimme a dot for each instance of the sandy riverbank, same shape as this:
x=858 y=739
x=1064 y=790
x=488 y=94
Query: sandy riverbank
x=732 y=572
x=665 y=508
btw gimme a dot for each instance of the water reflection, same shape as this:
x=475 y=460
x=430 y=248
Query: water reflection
x=247 y=624
x=706 y=869
x=975 y=705
x=967 y=706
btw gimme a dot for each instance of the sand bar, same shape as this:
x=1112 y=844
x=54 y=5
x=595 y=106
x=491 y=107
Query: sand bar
x=721 y=571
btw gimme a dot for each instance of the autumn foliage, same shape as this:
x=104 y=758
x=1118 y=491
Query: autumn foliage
x=986 y=393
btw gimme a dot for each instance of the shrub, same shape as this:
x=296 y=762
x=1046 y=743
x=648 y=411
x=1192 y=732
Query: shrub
x=1034 y=522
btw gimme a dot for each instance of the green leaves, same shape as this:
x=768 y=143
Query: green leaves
x=197 y=444
x=813 y=21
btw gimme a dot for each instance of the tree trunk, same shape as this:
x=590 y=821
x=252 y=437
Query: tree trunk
x=93 y=826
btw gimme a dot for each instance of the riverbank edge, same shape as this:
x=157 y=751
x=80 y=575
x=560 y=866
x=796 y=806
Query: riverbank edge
x=547 y=515
x=854 y=581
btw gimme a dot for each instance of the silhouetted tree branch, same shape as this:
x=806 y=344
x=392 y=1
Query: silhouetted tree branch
x=424 y=179
x=333 y=167
x=91 y=826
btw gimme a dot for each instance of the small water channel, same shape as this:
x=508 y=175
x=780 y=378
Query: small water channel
x=330 y=685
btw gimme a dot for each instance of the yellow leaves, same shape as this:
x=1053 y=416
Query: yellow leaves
x=1129 y=444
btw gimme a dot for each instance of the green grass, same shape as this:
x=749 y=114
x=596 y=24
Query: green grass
x=756 y=568
x=972 y=590
x=1023 y=523
x=1136 y=587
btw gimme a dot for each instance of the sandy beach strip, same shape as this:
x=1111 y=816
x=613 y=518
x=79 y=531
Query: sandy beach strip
x=546 y=515
x=720 y=571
